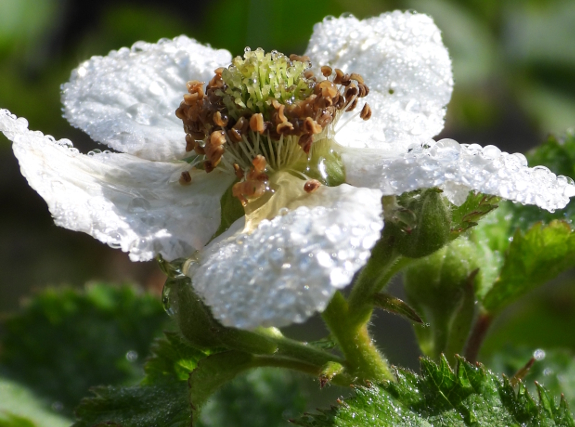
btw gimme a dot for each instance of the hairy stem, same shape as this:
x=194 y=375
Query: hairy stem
x=363 y=360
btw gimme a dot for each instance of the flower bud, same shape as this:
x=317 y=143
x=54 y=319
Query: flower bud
x=421 y=223
x=440 y=288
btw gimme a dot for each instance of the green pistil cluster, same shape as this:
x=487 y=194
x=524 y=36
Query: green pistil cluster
x=257 y=79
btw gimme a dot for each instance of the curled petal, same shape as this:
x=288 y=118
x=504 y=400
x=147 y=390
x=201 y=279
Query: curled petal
x=128 y=98
x=129 y=203
x=290 y=267
x=458 y=169
x=406 y=67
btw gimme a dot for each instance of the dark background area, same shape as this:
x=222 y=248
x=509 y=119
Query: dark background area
x=514 y=67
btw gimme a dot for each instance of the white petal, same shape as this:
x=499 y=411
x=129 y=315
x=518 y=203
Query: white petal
x=129 y=203
x=128 y=98
x=289 y=267
x=457 y=169
x=404 y=64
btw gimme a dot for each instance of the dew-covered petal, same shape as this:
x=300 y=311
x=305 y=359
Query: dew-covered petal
x=127 y=202
x=128 y=98
x=457 y=169
x=290 y=266
x=404 y=64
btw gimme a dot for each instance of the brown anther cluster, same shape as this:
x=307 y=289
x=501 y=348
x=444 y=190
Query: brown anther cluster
x=209 y=125
x=311 y=185
x=255 y=181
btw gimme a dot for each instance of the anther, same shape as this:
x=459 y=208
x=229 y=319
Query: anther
x=185 y=178
x=351 y=92
x=198 y=148
x=352 y=105
x=241 y=125
x=305 y=142
x=217 y=138
x=311 y=126
x=303 y=58
x=358 y=78
x=194 y=86
x=284 y=128
x=308 y=74
x=346 y=80
x=338 y=76
x=365 y=112
x=259 y=163
x=191 y=98
x=220 y=120
x=235 y=135
x=190 y=143
x=363 y=90
x=311 y=185
x=328 y=90
x=257 y=123
x=326 y=71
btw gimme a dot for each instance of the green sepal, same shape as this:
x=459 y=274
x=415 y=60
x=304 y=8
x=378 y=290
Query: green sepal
x=441 y=397
x=394 y=305
x=468 y=215
x=329 y=371
x=440 y=288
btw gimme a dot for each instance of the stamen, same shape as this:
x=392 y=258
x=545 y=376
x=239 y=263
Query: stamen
x=365 y=112
x=269 y=97
x=185 y=178
x=326 y=71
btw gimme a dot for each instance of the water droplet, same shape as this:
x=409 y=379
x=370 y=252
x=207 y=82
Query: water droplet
x=138 y=205
x=141 y=113
x=169 y=300
x=132 y=356
x=57 y=406
x=539 y=354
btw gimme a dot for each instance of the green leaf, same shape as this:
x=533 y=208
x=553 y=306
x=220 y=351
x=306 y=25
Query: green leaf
x=532 y=259
x=215 y=371
x=469 y=395
x=19 y=407
x=159 y=405
x=65 y=341
x=172 y=359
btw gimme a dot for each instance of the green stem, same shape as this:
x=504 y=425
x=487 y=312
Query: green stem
x=315 y=371
x=363 y=360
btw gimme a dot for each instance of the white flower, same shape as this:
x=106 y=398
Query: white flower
x=284 y=260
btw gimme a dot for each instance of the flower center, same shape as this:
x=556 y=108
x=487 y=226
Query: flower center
x=264 y=113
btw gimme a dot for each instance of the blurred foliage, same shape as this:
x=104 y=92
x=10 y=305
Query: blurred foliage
x=21 y=408
x=64 y=341
x=553 y=369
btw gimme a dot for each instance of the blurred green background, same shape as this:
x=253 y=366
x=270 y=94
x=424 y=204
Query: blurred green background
x=513 y=61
